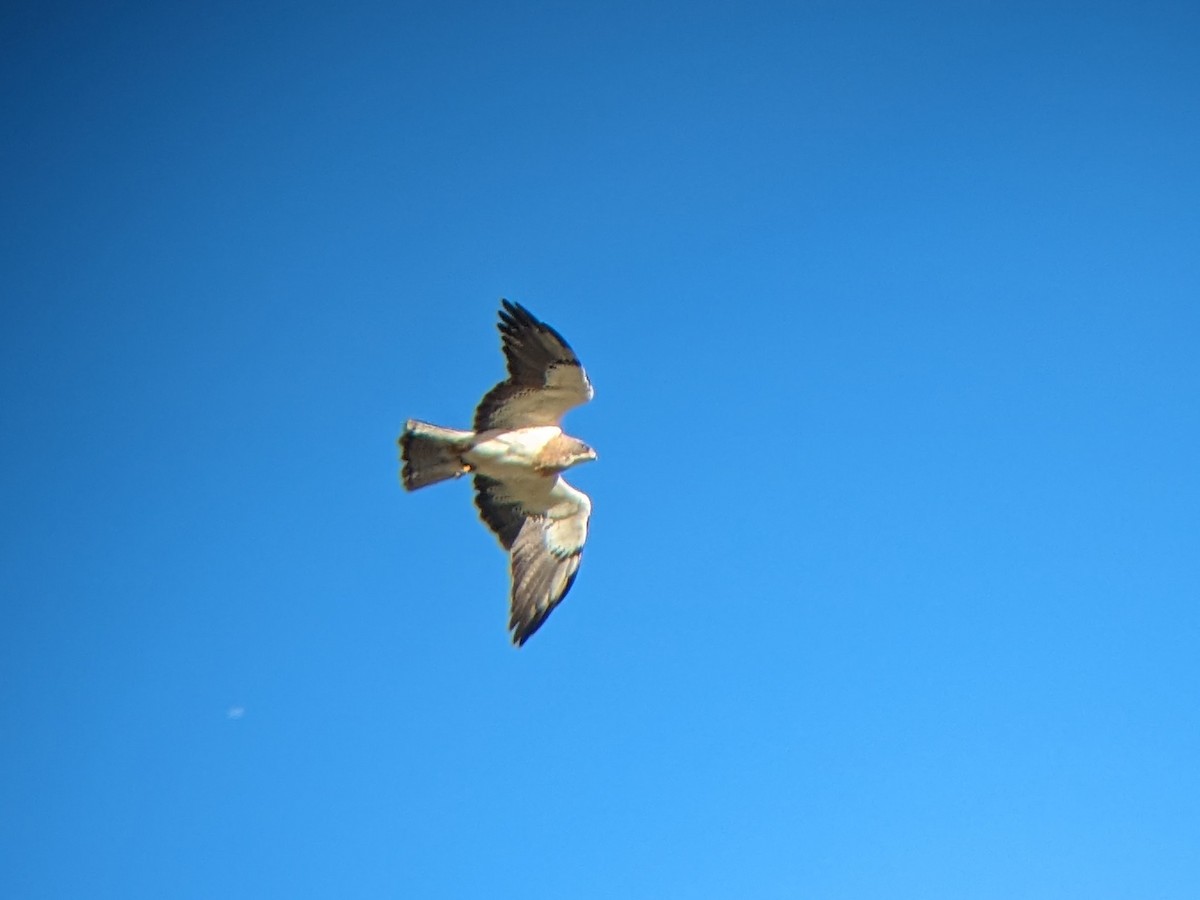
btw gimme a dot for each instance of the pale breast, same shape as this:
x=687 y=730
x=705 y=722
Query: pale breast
x=512 y=452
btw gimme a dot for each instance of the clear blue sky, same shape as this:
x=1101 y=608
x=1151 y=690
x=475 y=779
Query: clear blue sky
x=893 y=314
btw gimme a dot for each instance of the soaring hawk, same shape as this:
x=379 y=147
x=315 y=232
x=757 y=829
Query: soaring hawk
x=517 y=453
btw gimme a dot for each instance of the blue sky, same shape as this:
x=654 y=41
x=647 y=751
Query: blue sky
x=892 y=313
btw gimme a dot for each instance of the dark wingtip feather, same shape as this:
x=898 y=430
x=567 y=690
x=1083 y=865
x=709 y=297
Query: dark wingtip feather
x=523 y=631
x=514 y=317
x=525 y=627
x=516 y=311
x=529 y=344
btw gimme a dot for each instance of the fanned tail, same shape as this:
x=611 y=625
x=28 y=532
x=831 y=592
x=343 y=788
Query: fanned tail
x=431 y=454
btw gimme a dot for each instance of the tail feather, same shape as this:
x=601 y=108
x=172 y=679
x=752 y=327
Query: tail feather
x=432 y=453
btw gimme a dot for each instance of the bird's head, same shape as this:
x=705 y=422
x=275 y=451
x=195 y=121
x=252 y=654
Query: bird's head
x=583 y=454
x=562 y=452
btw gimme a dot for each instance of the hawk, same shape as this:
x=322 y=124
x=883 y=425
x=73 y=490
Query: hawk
x=517 y=452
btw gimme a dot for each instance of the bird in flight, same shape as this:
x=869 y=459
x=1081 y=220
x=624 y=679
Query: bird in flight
x=517 y=452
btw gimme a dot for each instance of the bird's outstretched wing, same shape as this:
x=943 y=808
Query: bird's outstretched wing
x=545 y=377
x=502 y=505
x=543 y=524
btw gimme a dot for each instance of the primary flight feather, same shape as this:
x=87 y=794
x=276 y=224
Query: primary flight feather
x=517 y=452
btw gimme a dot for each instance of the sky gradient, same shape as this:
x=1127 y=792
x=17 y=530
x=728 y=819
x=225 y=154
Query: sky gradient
x=892 y=313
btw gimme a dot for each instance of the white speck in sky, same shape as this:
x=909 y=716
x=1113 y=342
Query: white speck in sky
x=235 y=712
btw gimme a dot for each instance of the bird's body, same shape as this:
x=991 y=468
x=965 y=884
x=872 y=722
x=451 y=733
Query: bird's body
x=512 y=453
x=517 y=453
